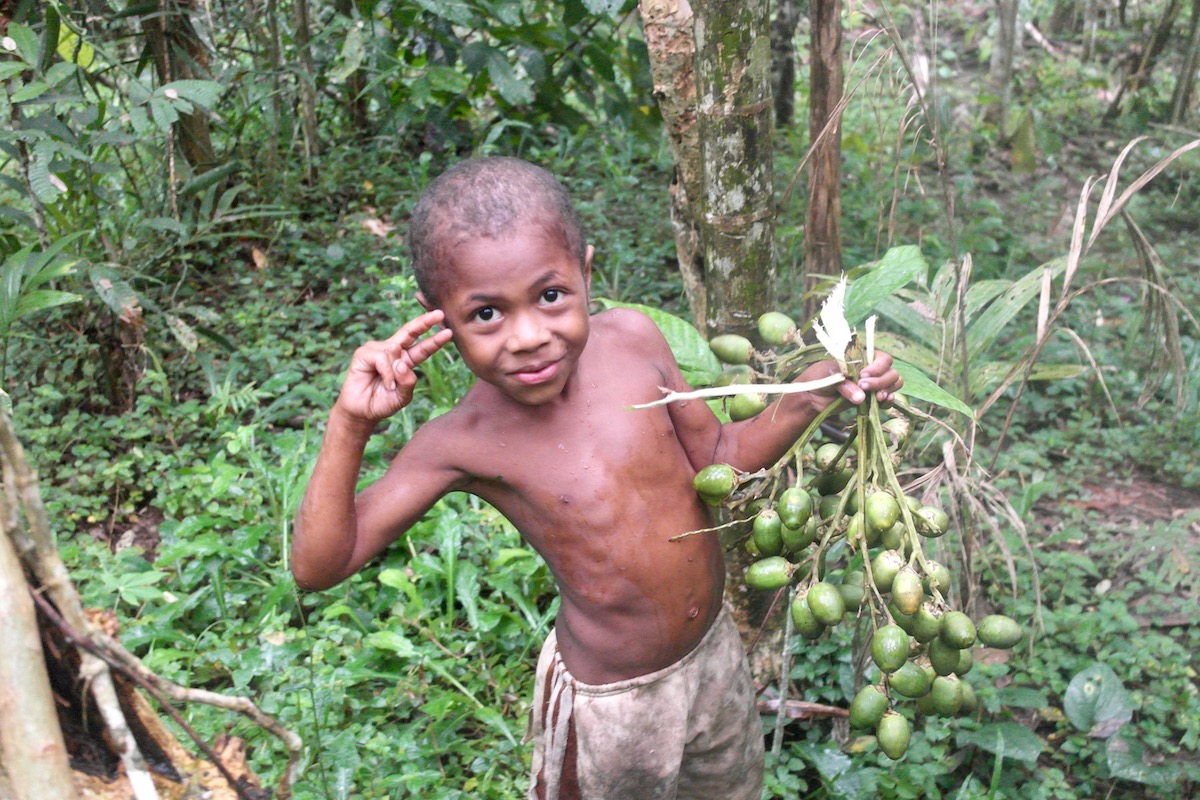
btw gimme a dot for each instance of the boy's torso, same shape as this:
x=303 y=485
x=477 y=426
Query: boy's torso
x=599 y=489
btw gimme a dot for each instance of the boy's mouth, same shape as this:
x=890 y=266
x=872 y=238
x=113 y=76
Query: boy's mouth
x=536 y=374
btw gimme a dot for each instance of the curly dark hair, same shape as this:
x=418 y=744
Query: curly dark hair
x=487 y=197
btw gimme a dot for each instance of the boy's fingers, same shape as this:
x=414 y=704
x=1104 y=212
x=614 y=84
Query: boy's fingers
x=424 y=348
x=412 y=330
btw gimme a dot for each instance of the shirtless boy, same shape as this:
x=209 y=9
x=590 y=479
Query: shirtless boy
x=642 y=689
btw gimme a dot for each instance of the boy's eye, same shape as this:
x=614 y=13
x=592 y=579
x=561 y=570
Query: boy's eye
x=485 y=314
x=552 y=295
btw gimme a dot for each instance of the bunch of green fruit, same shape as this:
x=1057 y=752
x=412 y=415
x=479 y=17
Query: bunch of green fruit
x=837 y=508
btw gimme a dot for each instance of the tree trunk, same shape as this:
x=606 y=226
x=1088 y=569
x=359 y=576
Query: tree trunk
x=75 y=675
x=823 y=226
x=356 y=84
x=31 y=742
x=783 y=61
x=1140 y=77
x=1000 y=71
x=737 y=226
x=1185 y=83
x=667 y=28
x=308 y=92
x=180 y=54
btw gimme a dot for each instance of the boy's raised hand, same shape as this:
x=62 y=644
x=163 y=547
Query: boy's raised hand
x=382 y=375
x=880 y=376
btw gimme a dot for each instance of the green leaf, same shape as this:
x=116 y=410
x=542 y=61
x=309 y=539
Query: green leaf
x=919 y=387
x=164 y=113
x=41 y=299
x=391 y=641
x=29 y=91
x=202 y=93
x=983 y=332
x=351 y=57
x=1127 y=760
x=692 y=353
x=1021 y=697
x=899 y=267
x=1096 y=701
x=26 y=40
x=1005 y=740
x=513 y=88
x=113 y=290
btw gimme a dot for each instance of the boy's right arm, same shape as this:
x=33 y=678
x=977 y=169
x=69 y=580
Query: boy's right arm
x=332 y=539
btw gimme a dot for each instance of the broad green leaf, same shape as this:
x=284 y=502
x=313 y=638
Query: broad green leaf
x=899 y=267
x=454 y=11
x=26 y=41
x=903 y=349
x=71 y=49
x=1005 y=740
x=164 y=113
x=1096 y=701
x=392 y=641
x=983 y=332
x=918 y=386
x=696 y=361
x=42 y=180
x=1127 y=759
x=202 y=93
x=12 y=68
x=29 y=91
x=41 y=299
x=59 y=72
x=513 y=88
x=351 y=56
x=113 y=290
x=1021 y=697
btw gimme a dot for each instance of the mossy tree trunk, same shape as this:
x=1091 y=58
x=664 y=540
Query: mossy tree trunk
x=667 y=28
x=823 y=224
x=735 y=114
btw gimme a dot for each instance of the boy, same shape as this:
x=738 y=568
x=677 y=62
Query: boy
x=643 y=690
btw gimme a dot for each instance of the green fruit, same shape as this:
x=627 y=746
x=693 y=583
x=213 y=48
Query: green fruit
x=897 y=428
x=773 y=572
x=856 y=532
x=946 y=693
x=731 y=348
x=942 y=657
x=855 y=576
x=893 y=538
x=931 y=521
x=926 y=624
x=906 y=590
x=852 y=595
x=735 y=374
x=905 y=621
x=957 y=630
x=893 y=734
x=889 y=648
x=715 y=482
x=826 y=603
x=997 y=630
x=776 y=328
x=745 y=406
x=768 y=532
x=965 y=662
x=826 y=455
x=751 y=548
x=937 y=577
x=795 y=506
x=884 y=567
x=914 y=505
x=969 y=701
x=834 y=481
x=828 y=506
x=796 y=539
x=882 y=511
x=868 y=707
x=805 y=623
x=910 y=680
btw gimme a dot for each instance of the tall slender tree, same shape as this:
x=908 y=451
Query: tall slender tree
x=822 y=229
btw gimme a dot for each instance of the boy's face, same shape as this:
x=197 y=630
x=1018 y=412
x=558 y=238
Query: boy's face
x=518 y=307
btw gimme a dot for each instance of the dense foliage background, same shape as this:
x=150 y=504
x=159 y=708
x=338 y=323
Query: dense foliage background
x=201 y=215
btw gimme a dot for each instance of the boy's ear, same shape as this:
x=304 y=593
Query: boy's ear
x=424 y=301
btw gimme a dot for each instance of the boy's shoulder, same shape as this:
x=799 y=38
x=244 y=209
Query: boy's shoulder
x=627 y=324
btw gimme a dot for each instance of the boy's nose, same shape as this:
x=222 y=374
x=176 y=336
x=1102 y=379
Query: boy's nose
x=527 y=333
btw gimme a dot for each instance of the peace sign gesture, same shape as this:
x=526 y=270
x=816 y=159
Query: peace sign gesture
x=382 y=375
